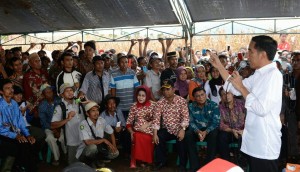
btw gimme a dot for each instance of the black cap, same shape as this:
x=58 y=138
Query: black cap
x=171 y=54
x=96 y=58
x=167 y=83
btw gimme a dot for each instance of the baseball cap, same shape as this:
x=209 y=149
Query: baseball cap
x=167 y=84
x=88 y=106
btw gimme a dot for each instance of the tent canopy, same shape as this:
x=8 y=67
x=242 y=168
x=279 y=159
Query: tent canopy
x=28 y=16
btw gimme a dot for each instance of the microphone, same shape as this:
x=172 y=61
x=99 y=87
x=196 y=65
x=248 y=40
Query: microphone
x=242 y=65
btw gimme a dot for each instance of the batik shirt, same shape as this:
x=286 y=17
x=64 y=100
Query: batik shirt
x=206 y=118
x=174 y=115
x=32 y=83
x=139 y=116
x=234 y=118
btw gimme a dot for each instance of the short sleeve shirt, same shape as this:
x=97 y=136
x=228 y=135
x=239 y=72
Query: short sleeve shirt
x=85 y=132
x=71 y=126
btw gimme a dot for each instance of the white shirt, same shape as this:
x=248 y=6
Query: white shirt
x=85 y=132
x=262 y=136
x=209 y=94
x=71 y=126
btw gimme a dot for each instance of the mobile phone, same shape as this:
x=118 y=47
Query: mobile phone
x=129 y=63
x=228 y=47
x=203 y=52
x=144 y=69
x=240 y=56
x=118 y=124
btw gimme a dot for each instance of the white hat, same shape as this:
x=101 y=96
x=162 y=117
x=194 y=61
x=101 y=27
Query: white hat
x=90 y=105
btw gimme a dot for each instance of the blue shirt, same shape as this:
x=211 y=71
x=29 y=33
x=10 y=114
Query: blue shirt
x=11 y=120
x=112 y=120
x=124 y=85
x=206 y=118
x=46 y=112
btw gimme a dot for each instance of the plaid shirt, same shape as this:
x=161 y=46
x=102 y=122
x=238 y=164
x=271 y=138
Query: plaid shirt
x=175 y=115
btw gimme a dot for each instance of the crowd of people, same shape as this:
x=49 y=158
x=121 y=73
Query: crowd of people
x=98 y=105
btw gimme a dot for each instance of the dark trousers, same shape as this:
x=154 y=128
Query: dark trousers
x=24 y=153
x=161 y=148
x=225 y=138
x=124 y=138
x=192 y=138
x=262 y=165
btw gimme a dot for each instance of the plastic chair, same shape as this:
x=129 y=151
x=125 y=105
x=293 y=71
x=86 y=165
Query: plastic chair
x=48 y=158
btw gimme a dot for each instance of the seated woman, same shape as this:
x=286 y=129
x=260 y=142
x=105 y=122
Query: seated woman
x=139 y=125
x=114 y=117
x=232 y=121
x=181 y=84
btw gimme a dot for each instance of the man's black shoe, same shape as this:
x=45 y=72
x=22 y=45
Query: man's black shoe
x=157 y=167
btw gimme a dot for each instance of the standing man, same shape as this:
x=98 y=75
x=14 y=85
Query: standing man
x=68 y=73
x=171 y=118
x=86 y=64
x=95 y=84
x=284 y=45
x=261 y=139
x=170 y=72
x=32 y=82
x=122 y=84
x=68 y=114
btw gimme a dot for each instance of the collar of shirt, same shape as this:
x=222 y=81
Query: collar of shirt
x=155 y=73
x=205 y=104
x=266 y=68
x=173 y=101
x=67 y=103
x=90 y=122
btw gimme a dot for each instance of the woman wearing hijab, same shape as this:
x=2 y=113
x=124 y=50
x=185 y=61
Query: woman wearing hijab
x=198 y=81
x=181 y=85
x=212 y=86
x=139 y=125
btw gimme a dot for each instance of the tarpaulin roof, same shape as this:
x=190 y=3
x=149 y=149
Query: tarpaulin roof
x=28 y=16
x=204 y=10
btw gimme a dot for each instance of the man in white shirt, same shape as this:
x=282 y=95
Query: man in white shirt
x=261 y=139
x=68 y=115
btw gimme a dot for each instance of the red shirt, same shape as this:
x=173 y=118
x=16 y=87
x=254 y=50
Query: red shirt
x=32 y=83
x=284 y=46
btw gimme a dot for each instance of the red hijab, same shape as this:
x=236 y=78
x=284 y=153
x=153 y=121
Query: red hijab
x=148 y=96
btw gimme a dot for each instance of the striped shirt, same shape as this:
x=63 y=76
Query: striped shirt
x=124 y=85
x=91 y=86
